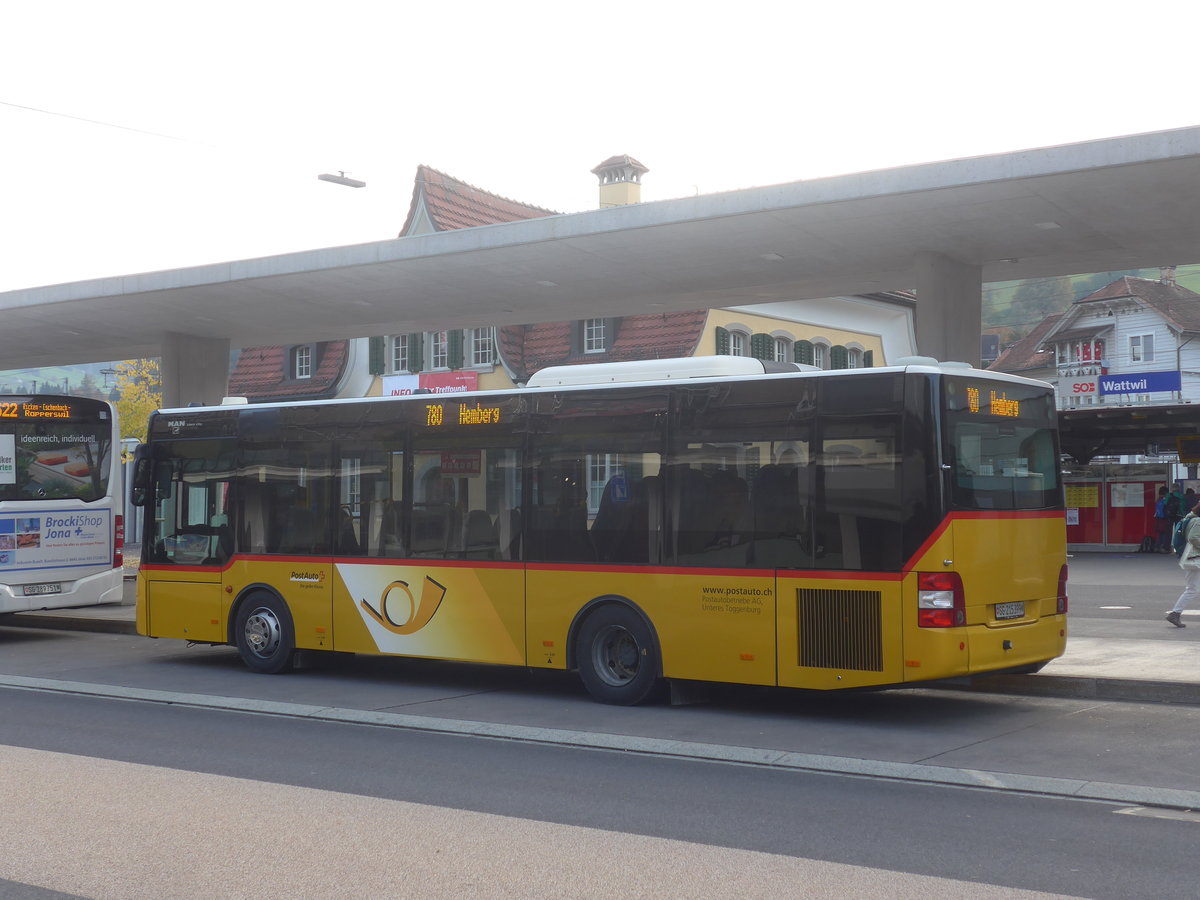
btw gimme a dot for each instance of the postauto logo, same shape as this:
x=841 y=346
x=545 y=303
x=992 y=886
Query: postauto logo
x=402 y=613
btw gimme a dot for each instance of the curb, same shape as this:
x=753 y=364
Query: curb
x=69 y=623
x=1072 y=687
x=1040 y=785
x=1065 y=687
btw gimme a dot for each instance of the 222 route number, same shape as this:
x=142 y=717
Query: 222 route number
x=8 y=410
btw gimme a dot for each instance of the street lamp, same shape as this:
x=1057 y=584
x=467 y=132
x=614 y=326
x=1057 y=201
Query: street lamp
x=340 y=178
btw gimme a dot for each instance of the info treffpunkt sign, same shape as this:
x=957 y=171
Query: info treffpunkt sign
x=1140 y=383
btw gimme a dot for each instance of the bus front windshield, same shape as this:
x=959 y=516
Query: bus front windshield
x=1001 y=443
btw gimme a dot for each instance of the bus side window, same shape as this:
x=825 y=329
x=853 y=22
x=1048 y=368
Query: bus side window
x=861 y=519
x=781 y=529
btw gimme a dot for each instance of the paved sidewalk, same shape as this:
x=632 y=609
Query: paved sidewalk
x=1119 y=647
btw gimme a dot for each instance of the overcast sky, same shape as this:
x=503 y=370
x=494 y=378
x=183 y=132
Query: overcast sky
x=139 y=136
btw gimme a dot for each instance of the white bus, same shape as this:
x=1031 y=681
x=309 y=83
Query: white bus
x=61 y=522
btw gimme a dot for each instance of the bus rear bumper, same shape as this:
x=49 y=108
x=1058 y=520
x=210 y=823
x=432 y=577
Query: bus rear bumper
x=1021 y=647
x=93 y=590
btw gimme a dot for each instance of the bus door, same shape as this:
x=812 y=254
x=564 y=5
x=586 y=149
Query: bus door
x=428 y=541
x=286 y=524
x=188 y=543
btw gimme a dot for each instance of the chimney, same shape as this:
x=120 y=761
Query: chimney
x=1166 y=275
x=620 y=181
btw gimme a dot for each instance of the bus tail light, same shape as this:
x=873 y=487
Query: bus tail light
x=119 y=542
x=940 y=600
x=1061 y=605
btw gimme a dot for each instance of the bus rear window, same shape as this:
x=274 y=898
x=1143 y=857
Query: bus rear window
x=52 y=461
x=1001 y=443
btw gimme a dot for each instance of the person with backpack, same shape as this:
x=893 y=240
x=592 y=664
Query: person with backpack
x=1174 y=506
x=1187 y=541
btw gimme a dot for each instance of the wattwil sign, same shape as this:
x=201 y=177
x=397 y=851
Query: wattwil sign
x=1140 y=383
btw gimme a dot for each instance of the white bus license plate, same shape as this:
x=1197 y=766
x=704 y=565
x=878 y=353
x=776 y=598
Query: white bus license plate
x=1013 y=610
x=32 y=590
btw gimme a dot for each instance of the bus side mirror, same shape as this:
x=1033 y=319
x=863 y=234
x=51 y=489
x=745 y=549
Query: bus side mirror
x=141 y=476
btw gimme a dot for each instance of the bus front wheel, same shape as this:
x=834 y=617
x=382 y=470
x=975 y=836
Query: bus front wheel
x=266 y=639
x=617 y=656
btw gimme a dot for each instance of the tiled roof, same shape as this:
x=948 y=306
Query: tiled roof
x=260 y=373
x=1024 y=356
x=1178 y=306
x=452 y=204
x=1175 y=303
x=528 y=348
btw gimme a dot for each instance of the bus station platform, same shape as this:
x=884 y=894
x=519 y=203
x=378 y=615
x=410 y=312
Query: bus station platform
x=1119 y=646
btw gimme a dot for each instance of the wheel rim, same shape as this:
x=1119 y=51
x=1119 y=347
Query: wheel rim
x=263 y=632
x=616 y=656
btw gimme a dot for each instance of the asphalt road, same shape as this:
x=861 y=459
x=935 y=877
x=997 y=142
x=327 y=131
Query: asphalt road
x=232 y=804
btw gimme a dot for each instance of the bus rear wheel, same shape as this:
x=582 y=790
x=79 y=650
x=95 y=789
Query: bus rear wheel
x=266 y=639
x=617 y=656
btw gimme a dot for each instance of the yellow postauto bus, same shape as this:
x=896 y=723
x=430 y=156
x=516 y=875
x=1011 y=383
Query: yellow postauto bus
x=713 y=519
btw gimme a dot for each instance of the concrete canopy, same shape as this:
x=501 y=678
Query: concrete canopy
x=1126 y=202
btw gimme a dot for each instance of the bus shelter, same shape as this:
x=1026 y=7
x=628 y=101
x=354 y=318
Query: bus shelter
x=1110 y=504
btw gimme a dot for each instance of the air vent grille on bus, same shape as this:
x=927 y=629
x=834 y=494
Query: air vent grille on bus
x=840 y=629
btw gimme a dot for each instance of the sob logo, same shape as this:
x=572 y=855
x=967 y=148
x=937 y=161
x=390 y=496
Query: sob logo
x=400 y=612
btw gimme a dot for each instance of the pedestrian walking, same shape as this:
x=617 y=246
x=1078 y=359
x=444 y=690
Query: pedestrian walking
x=1189 y=561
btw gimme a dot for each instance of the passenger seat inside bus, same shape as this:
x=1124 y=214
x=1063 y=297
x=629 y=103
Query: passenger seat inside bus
x=480 y=540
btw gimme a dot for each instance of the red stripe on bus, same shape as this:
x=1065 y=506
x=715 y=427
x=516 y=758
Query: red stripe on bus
x=965 y=515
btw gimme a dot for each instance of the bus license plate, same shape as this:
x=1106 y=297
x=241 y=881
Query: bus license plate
x=1013 y=610
x=35 y=589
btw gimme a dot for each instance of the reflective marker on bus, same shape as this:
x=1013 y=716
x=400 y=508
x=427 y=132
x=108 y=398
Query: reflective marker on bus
x=714 y=519
x=61 y=528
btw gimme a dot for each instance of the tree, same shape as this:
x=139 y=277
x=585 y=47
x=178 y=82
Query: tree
x=1037 y=298
x=87 y=387
x=139 y=383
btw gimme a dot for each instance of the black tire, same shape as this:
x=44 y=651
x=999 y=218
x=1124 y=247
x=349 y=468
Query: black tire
x=265 y=636
x=617 y=656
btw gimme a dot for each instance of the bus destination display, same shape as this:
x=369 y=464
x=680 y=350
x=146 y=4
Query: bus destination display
x=13 y=410
x=435 y=415
x=998 y=403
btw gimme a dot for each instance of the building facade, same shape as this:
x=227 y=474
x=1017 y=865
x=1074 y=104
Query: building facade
x=832 y=333
x=1133 y=342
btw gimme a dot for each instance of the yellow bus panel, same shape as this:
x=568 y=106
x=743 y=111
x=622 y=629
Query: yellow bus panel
x=710 y=626
x=839 y=632
x=435 y=611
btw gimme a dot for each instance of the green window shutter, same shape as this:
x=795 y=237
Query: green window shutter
x=416 y=346
x=375 y=364
x=454 y=349
x=802 y=352
x=614 y=325
x=837 y=357
x=868 y=358
x=722 y=341
x=761 y=346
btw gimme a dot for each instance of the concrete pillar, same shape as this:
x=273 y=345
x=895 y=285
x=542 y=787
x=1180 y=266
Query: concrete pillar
x=194 y=370
x=949 y=315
